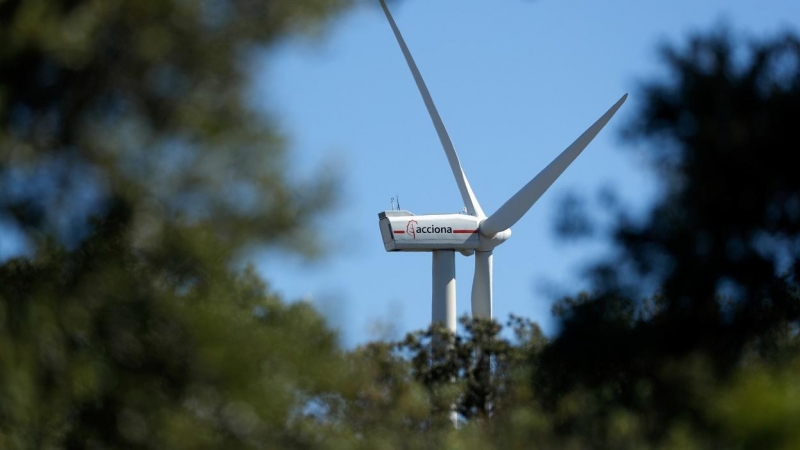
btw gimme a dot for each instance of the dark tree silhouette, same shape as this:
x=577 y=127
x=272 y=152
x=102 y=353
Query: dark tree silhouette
x=722 y=244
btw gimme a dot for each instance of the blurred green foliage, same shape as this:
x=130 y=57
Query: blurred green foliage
x=702 y=303
x=98 y=349
x=135 y=172
x=146 y=102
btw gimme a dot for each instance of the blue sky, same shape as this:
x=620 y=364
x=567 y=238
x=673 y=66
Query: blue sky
x=515 y=83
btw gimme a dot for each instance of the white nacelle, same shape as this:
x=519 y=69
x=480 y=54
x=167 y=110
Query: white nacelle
x=404 y=231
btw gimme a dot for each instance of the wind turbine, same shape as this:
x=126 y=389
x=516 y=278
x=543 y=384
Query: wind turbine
x=472 y=232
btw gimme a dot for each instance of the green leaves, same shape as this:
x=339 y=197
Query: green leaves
x=146 y=102
x=137 y=172
x=98 y=348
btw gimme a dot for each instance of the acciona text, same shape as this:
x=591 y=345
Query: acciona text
x=433 y=229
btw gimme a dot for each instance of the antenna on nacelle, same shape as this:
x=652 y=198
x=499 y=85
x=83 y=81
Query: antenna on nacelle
x=392 y=200
x=398 y=201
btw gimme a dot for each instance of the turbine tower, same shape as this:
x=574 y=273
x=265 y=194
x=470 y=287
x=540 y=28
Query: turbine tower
x=472 y=232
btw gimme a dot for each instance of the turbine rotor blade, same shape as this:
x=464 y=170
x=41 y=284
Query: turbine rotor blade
x=516 y=207
x=482 y=286
x=470 y=201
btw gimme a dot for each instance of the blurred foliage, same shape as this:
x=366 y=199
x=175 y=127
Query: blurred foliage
x=572 y=222
x=146 y=102
x=100 y=349
x=697 y=320
x=135 y=171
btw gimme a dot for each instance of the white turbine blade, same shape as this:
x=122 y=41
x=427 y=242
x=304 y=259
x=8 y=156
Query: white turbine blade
x=461 y=179
x=482 y=286
x=521 y=202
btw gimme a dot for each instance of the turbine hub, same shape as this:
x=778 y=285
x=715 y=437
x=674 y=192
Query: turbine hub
x=488 y=244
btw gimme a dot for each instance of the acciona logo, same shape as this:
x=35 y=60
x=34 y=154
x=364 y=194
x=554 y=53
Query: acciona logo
x=414 y=229
x=411 y=228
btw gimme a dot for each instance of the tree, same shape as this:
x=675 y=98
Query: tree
x=133 y=172
x=99 y=350
x=720 y=247
x=474 y=373
x=726 y=229
x=408 y=391
x=145 y=103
